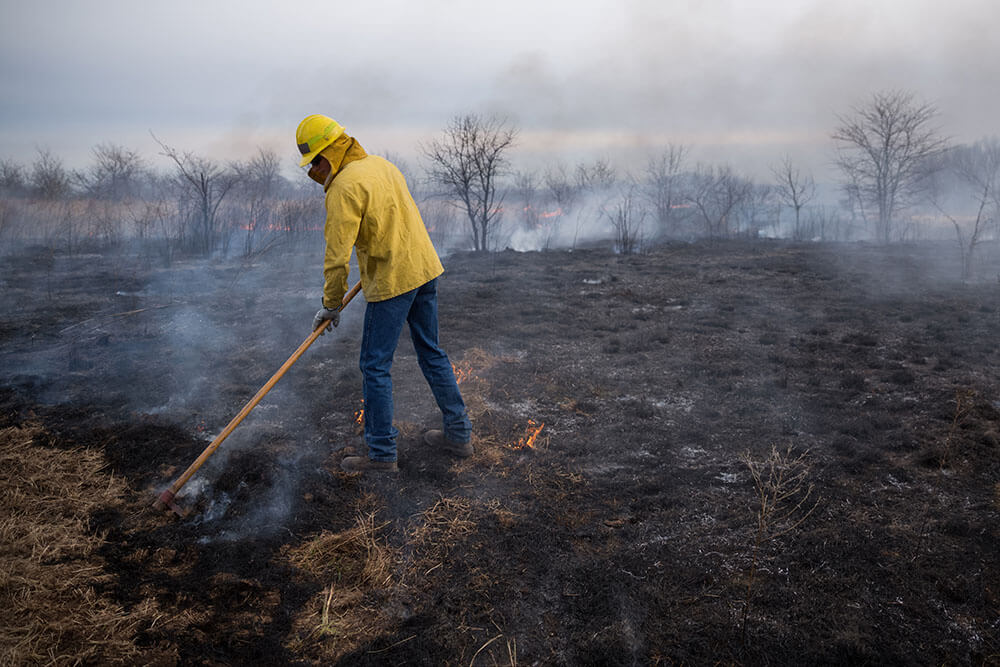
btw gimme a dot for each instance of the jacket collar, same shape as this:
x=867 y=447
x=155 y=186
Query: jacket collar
x=340 y=153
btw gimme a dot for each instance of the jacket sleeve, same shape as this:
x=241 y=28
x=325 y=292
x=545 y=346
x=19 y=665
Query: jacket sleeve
x=344 y=212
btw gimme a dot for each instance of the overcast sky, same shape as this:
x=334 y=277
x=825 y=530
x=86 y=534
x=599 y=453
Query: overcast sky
x=741 y=82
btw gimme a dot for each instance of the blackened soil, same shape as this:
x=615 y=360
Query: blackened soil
x=630 y=533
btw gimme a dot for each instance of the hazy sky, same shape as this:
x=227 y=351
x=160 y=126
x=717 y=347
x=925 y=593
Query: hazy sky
x=743 y=82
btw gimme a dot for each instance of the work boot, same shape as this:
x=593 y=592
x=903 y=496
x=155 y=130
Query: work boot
x=364 y=464
x=436 y=439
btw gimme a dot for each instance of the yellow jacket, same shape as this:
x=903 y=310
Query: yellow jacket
x=369 y=208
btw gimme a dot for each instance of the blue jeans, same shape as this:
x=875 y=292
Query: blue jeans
x=383 y=325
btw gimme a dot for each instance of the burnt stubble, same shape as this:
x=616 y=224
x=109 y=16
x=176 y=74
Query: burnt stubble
x=625 y=534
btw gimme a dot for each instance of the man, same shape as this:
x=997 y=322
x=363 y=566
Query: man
x=369 y=208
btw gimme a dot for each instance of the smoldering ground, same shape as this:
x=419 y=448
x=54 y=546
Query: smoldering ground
x=627 y=534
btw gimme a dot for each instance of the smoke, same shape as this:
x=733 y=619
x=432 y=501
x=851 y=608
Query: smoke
x=553 y=228
x=235 y=328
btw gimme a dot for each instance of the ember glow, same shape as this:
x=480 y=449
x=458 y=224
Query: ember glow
x=531 y=433
x=359 y=414
x=542 y=215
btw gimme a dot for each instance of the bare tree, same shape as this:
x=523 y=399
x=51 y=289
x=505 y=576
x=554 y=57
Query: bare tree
x=597 y=176
x=469 y=161
x=526 y=189
x=258 y=182
x=881 y=147
x=974 y=205
x=827 y=222
x=115 y=173
x=664 y=185
x=626 y=219
x=756 y=210
x=203 y=185
x=715 y=194
x=49 y=179
x=12 y=178
x=793 y=189
x=561 y=188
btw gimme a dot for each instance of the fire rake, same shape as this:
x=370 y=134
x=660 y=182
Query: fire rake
x=166 y=499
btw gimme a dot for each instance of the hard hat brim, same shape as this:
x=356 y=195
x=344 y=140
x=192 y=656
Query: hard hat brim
x=308 y=157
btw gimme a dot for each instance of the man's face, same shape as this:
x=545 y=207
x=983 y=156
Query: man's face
x=320 y=169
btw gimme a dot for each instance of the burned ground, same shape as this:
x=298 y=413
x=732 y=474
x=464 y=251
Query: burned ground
x=857 y=382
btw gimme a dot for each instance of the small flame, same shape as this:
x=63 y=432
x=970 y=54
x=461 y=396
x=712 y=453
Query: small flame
x=531 y=433
x=461 y=374
x=359 y=414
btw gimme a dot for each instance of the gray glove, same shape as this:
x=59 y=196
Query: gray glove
x=328 y=317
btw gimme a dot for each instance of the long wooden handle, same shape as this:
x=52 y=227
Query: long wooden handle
x=166 y=498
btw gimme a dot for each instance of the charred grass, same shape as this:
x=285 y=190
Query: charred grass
x=636 y=422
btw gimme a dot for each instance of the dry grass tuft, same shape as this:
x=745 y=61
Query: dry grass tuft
x=358 y=561
x=447 y=519
x=489 y=455
x=506 y=518
x=50 y=609
x=437 y=530
x=356 y=556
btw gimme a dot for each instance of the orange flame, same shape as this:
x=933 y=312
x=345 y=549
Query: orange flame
x=359 y=415
x=531 y=433
x=461 y=374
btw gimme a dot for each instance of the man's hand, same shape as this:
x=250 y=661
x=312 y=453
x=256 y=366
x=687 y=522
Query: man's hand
x=327 y=318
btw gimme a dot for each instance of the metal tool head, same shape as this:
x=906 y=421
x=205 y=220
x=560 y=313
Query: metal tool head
x=166 y=500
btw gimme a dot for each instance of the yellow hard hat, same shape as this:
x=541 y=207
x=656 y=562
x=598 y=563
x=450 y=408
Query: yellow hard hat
x=315 y=133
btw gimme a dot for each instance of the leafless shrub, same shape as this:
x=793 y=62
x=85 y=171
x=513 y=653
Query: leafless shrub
x=784 y=501
x=964 y=399
x=626 y=218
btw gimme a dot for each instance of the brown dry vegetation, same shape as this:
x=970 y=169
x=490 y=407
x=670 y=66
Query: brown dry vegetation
x=753 y=453
x=54 y=606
